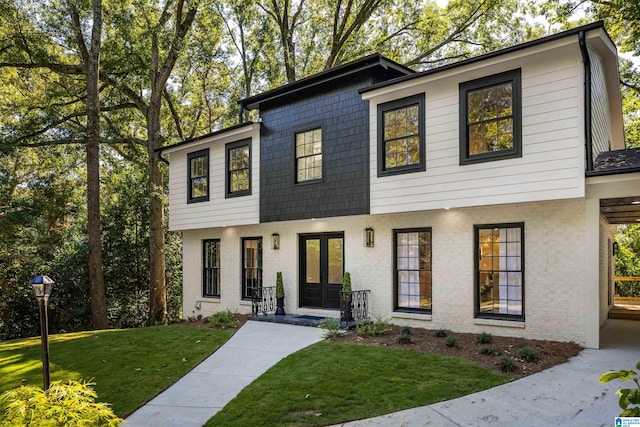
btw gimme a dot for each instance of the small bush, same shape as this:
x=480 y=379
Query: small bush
x=369 y=328
x=224 y=320
x=71 y=404
x=331 y=328
x=441 y=333
x=450 y=342
x=484 y=338
x=490 y=350
x=405 y=336
x=528 y=354
x=507 y=363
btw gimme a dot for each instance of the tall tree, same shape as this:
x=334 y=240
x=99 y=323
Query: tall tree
x=90 y=57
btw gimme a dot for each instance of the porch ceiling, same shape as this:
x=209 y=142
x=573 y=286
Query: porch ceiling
x=624 y=210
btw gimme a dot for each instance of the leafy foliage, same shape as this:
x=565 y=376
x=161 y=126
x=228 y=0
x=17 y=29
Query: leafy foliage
x=628 y=396
x=490 y=350
x=451 y=342
x=370 y=328
x=61 y=405
x=441 y=333
x=279 y=285
x=223 y=320
x=484 y=338
x=405 y=335
x=528 y=354
x=331 y=327
x=507 y=363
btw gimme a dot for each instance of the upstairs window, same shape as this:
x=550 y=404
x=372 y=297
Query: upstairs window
x=490 y=118
x=238 y=161
x=309 y=155
x=401 y=136
x=198 y=185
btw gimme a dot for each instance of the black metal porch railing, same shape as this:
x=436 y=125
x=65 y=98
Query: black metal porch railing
x=263 y=300
x=354 y=306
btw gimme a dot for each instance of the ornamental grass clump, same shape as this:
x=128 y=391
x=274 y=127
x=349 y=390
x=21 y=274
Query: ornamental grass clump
x=405 y=336
x=528 y=354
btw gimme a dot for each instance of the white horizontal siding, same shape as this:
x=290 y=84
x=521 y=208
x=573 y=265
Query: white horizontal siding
x=552 y=165
x=218 y=211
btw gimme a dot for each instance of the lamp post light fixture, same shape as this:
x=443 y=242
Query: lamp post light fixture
x=42 y=286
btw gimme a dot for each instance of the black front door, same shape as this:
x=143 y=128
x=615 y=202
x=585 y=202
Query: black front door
x=321 y=269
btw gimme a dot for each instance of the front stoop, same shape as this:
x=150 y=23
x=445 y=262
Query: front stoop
x=290 y=319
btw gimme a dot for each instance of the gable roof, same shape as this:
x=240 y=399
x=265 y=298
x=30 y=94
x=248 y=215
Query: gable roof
x=572 y=32
x=369 y=62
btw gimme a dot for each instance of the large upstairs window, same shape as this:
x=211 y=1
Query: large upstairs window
x=238 y=168
x=490 y=118
x=309 y=155
x=198 y=170
x=401 y=136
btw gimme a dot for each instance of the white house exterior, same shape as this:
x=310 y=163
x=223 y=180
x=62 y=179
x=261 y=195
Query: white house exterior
x=476 y=181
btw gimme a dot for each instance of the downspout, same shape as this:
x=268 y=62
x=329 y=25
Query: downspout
x=587 y=100
x=162 y=159
x=240 y=114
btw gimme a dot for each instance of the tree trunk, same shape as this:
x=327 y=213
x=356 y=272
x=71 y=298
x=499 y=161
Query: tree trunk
x=157 y=285
x=91 y=62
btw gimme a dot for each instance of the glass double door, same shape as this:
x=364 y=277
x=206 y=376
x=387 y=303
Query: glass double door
x=321 y=269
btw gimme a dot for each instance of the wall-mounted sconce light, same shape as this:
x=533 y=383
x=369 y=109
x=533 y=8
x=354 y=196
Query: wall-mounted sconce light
x=275 y=240
x=197 y=305
x=368 y=237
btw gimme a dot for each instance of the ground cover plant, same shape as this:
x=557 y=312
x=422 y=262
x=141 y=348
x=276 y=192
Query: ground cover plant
x=128 y=366
x=525 y=356
x=331 y=382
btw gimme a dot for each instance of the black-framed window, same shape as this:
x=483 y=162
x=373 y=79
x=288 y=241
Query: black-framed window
x=251 y=265
x=211 y=268
x=412 y=269
x=491 y=118
x=309 y=155
x=401 y=136
x=198 y=172
x=499 y=270
x=238 y=168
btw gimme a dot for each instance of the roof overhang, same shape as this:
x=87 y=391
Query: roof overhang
x=242 y=130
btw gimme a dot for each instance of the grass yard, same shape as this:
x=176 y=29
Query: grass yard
x=129 y=366
x=332 y=382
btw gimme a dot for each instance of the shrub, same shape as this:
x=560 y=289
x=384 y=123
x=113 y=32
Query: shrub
x=331 y=328
x=369 y=328
x=224 y=320
x=405 y=336
x=490 y=350
x=507 y=363
x=528 y=354
x=441 y=333
x=628 y=396
x=71 y=404
x=279 y=285
x=450 y=342
x=484 y=338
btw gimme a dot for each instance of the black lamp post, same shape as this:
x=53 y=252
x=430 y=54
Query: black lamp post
x=42 y=286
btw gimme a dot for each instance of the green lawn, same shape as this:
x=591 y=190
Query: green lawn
x=330 y=382
x=129 y=366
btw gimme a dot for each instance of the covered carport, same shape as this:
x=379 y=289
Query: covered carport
x=613 y=187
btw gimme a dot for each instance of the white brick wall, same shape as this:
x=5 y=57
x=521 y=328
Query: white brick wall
x=554 y=266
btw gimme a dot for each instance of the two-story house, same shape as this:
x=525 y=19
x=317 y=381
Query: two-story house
x=467 y=197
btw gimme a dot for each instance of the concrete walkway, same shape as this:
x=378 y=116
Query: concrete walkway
x=201 y=393
x=565 y=395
